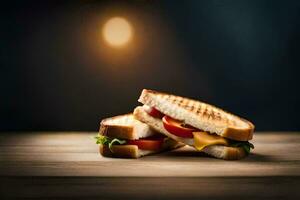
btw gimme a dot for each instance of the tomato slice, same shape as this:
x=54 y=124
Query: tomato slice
x=154 y=112
x=148 y=144
x=177 y=128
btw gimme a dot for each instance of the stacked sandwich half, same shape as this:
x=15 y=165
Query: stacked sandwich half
x=167 y=121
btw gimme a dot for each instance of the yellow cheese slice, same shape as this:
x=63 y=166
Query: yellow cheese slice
x=203 y=139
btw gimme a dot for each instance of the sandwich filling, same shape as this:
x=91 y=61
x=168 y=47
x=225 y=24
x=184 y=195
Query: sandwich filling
x=201 y=139
x=149 y=143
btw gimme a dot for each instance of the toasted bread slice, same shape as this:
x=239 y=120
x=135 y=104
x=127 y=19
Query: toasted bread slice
x=125 y=127
x=199 y=115
x=218 y=151
x=128 y=128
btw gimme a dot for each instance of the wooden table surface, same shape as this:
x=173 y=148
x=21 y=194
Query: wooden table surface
x=62 y=165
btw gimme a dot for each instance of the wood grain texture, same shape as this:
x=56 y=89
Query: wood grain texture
x=150 y=188
x=67 y=165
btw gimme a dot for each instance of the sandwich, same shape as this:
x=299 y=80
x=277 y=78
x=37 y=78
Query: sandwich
x=125 y=137
x=205 y=127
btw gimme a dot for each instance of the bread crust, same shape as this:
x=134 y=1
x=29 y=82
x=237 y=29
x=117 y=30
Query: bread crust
x=125 y=127
x=224 y=152
x=234 y=153
x=116 y=131
x=119 y=151
x=238 y=134
x=218 y=151
x=148 y=97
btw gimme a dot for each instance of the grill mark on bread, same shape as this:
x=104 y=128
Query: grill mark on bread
x=209 y=113
x=176 y=101
x=218 y=116
x=201 y=109
x=181 y=101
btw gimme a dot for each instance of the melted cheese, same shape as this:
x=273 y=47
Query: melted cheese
x=203 y=139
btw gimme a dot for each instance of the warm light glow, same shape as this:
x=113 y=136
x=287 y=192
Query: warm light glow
x=117 y=32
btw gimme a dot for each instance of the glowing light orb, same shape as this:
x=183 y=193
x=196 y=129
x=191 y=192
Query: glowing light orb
x=117 y=31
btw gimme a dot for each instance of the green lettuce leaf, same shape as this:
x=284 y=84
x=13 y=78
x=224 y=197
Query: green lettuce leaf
x=115 y=141
x=104 y=140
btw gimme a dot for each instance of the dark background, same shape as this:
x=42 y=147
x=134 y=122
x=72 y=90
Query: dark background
x=56 y=72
